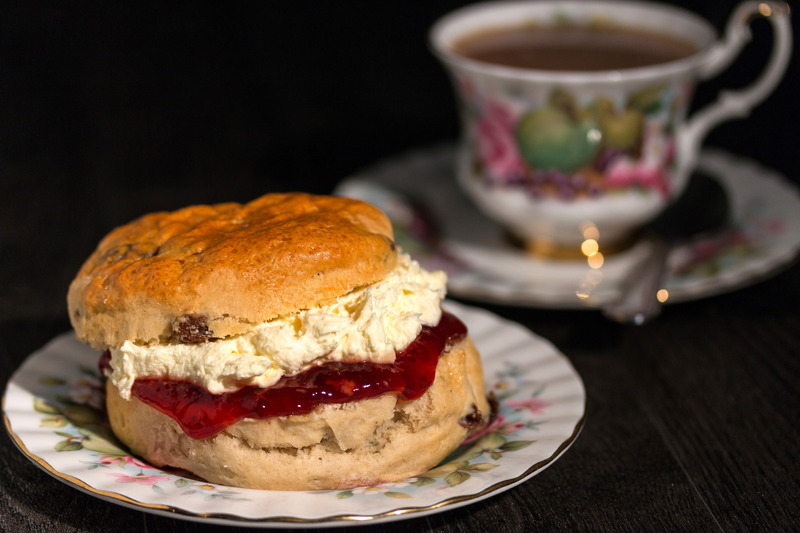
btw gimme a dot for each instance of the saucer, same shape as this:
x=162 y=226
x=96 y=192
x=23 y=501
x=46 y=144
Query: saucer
x=442 y=229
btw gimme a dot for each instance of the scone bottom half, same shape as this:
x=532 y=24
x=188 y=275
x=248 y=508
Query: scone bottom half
x=206 y=273
x=335 y=446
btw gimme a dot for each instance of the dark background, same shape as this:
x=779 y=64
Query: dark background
x=110 y=110
x=169 y=104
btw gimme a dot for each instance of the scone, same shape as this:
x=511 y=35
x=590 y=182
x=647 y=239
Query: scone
x=283 y=344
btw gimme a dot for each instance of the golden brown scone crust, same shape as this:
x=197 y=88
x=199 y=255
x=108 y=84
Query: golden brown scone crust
x=223 y=268
x=333 y=447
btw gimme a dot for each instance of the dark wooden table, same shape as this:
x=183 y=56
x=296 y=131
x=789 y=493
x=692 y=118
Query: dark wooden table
x=108 y=112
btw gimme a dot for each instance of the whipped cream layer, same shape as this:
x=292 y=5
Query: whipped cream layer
x=370 y=324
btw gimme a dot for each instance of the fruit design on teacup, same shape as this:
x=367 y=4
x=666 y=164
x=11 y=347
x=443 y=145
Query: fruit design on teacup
x=567 y=150
x=551 y=139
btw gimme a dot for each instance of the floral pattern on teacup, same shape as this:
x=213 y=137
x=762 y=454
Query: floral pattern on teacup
x=567 y=148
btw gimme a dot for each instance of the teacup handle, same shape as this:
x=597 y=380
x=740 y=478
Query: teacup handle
x=737 y=104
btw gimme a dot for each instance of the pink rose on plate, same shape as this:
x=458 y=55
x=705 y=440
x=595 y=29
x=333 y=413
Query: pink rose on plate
x=122 y=460
x=494 y=135
x=534 y=404
x=140 y=479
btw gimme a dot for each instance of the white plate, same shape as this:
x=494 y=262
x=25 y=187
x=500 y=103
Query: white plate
x=763 y=236
x=51 y=408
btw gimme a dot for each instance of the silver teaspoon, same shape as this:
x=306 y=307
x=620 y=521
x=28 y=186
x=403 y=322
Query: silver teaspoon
x=702 y=208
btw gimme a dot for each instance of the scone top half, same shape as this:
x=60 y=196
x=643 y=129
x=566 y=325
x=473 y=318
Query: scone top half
x=210 y=272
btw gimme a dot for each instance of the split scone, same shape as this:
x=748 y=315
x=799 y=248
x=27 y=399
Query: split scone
x=283 y=344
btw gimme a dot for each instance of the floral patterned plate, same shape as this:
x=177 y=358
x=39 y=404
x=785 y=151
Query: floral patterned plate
x=436 y=222
x=53 y=412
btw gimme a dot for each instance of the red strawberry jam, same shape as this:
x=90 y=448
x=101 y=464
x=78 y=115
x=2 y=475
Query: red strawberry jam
x=202 y=414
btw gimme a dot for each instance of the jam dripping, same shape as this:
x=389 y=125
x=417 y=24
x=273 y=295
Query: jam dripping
x=202 y=414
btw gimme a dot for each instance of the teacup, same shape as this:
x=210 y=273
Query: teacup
x=562 y=157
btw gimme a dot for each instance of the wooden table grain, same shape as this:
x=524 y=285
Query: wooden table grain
x=113 y=111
